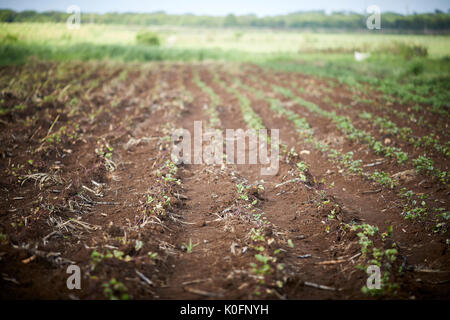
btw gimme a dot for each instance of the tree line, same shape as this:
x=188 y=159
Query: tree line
x=437 y=21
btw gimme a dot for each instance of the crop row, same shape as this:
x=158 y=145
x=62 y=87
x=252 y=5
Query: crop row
x=344 y=124
x=215 y=100
x=305 y=132
x=251 y=118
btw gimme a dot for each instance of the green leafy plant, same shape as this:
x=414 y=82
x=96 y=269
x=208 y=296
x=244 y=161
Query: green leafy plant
x=115 y=290
x=189 y=246
x=148 y=38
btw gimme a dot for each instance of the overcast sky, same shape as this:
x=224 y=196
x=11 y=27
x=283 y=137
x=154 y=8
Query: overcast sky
x=223 y=7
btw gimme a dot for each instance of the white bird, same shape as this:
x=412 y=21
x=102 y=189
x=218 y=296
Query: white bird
x=171 y=40
x=360 y=56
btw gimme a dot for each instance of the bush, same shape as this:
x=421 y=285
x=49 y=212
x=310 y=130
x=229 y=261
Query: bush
x=407 y=51
x=416 y=68
x=10 y=38
x=148 y=38
x=411 y=51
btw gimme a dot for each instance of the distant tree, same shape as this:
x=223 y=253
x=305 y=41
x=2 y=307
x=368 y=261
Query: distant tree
x=7 y=15
x=230 y=21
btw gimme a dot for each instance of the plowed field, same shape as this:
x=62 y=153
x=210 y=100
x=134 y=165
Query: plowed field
x=87 y=178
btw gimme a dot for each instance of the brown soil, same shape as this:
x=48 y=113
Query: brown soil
x=109 y=200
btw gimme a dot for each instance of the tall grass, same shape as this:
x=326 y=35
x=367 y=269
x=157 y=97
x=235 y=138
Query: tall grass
x=247 y=40
x=19 y=52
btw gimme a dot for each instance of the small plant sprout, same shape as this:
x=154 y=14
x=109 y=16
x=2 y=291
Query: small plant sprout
x=139 y=245
x=290 y=243
x=190 y=246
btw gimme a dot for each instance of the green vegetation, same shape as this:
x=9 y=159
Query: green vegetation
x=388 y=74
x=406 y=134
x=148 y=38
x=115 y=290
x=215 y=101
x=345 y=125
x=189 y=246
x=306 y=133
x=384 y=257
x=251 y=118
x=20 y=41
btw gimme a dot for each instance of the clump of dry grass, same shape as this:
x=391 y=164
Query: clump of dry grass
x=43 y=178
